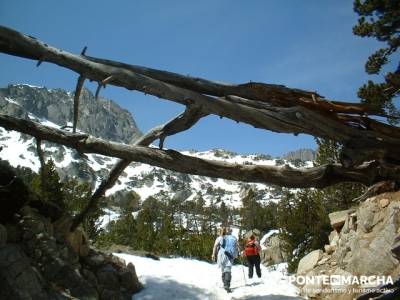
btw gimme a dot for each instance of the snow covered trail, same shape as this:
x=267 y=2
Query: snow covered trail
x=186 y=279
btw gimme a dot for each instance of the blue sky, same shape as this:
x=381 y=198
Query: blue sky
x=303 y=44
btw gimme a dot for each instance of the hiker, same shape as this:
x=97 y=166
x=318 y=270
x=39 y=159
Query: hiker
x=225 y=250
x=252 y=253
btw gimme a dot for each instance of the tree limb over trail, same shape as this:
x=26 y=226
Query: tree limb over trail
x=267 y=106
x=320 y=176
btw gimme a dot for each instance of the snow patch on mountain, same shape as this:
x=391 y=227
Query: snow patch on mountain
x=145 y=180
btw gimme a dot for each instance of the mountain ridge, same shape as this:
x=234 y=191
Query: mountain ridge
x=102 y=117
x=54 y=108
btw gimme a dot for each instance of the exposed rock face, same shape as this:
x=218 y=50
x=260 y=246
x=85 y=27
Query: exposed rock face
x=309 y=261
x=366 y=244
x=338 y=218
x=301 y=154
x=41 y=259
x=102 y=118
x=274 y=251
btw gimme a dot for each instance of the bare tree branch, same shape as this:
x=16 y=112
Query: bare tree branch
x=180 y=123
x=77 y=95
x=274 y=94
x=319 y=177
x=266 y=106
x=291 y=111
x=39 y=152
x=42 y=161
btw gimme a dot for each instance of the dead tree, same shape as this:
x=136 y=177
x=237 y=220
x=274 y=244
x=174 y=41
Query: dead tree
x=370 y=150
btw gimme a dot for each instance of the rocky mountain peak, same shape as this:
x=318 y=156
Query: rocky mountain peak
x=102 y=118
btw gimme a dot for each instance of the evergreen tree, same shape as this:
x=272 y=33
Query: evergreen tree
x=255 y=215
x=304 y=224
x=303 y=216
x=339 y=196
x=380 y=19
x=122 y=232
x=48 y=184
x=148 y=223
x=70 y=195
x=76 y=195
x=224 y=214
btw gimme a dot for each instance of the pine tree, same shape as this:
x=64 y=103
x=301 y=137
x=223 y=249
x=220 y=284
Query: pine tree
x=76 y=195
x=48 y=184
x=303 y=216
x=254 y=215
x=304 y=224
x=380 y=19
x=339 y=196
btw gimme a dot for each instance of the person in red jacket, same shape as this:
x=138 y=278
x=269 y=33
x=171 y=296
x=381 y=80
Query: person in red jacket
x=252 y=253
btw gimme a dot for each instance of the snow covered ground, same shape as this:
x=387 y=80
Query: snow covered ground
x=186 y=279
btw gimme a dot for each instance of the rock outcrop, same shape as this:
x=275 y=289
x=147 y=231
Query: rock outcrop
x=273 y=251
x=300 y=154
x=365 y=242
x=102 y=117
x=40 y=258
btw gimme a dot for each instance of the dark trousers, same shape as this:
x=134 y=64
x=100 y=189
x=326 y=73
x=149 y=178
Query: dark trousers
x=226 y=279
x=254 y=261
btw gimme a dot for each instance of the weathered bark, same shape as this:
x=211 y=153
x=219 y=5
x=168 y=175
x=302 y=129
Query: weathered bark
x=266 y=106
x=42 y=161
x=180 y=123
x=319 y=177
x=77 y=95
x=271 y=93
x=289 y=111
x=39 y=152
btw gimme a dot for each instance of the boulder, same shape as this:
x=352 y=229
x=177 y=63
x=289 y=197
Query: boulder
x=110 y=295
x=14 y=194
x=274 y=252
x=396 y=248
x=137 y=286
x=78 y=242
x=384 y=202
x=107 y=277
x=18 y=279
x=312 y=289
x=339 y=285
x=14 y=234
x=309 y=261
x=333 y=238
x=338 y=218
x=372 y=254
x=34 y=264
x=62 y=228
x=323 y=261
x=329 y=249
x=90 y=277
x=368 y=215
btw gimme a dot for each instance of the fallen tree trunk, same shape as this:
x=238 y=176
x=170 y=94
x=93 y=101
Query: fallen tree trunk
x=319 y=177
x=286 y=110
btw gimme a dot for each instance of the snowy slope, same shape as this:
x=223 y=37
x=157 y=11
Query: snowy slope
x=185 y=279
x=145 y=180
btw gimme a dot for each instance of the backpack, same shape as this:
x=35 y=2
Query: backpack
x=250 y=248
x=229 y=244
